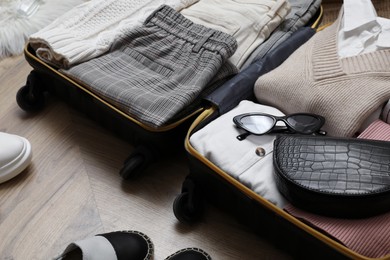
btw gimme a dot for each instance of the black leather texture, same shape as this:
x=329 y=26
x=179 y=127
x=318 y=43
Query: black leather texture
x=338 y=177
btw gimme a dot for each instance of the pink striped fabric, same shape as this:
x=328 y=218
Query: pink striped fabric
x=369 y=237
x=377 y=130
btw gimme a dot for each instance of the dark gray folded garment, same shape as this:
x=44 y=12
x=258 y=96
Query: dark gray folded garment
x=240 y=87
x=301 y=14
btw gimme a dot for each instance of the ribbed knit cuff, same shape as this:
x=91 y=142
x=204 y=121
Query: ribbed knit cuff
x=378 y=130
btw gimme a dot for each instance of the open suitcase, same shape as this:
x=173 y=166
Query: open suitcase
x=151 y=143
x=207 y=182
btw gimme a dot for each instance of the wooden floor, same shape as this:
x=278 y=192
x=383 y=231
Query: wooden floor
x=72 y=189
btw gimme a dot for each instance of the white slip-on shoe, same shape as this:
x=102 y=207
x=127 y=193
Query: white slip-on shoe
x=15 y=155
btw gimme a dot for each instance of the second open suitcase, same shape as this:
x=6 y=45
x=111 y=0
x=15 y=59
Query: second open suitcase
x=215 y=178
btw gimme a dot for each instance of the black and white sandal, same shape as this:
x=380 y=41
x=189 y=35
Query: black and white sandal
x=118 y=245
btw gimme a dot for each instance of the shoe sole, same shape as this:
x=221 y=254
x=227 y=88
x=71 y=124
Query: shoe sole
x=203 y=253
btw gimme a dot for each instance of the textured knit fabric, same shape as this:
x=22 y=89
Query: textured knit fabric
x=378 y=130
x=218 y=143
x=158 y=69
x=302 y=11
x=314 y=79
x=250 y=22
x=89 y=29
x=369 y=237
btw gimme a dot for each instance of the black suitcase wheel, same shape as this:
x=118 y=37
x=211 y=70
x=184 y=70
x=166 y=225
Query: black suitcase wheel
x=136 y=163
x=132 y=167
x=187 y=206
x=30 y=97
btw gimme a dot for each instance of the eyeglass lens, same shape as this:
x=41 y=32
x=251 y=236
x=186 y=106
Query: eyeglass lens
x=304 y=124
x=257 y=124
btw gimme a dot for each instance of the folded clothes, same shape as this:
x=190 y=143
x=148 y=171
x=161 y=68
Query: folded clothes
x=88 y=30
x=159 y=68
x=369 y=237
x=302 y=12
x=362 y=30
x=250 y=160
x=249 y=22
x=346 y=91
x=240 y=87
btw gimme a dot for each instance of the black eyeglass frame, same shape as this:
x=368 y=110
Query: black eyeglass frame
x=278 y=129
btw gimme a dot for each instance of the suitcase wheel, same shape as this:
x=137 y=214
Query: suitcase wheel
x=188 y=206
x=136 y=163
x=30 y=97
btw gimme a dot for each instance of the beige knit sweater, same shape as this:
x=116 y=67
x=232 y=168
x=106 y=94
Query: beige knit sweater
x=315 y=80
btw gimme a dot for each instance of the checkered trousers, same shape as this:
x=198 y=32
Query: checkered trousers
x=159 y=68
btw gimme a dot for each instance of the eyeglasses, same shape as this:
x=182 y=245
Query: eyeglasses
x=260 y=124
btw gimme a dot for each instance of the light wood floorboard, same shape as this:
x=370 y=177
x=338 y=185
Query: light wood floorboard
x=72 y=189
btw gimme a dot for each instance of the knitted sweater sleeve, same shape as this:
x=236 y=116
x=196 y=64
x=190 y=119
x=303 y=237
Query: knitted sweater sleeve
x=88 y=30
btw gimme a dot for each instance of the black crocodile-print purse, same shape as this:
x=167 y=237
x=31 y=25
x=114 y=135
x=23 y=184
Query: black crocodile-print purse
x=339 y=177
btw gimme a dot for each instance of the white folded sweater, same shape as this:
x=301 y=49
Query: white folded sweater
x=88 y=30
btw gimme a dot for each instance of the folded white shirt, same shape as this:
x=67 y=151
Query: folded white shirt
x=218 y=143
x=361 y=30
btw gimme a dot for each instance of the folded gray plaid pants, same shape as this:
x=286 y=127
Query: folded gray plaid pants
x=158 y=69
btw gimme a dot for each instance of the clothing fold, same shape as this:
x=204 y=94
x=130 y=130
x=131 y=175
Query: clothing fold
x=242 y=162
x=249 y=22
x=156 y=70
x=88 y=30
x=346 y=91
x=302 y=12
